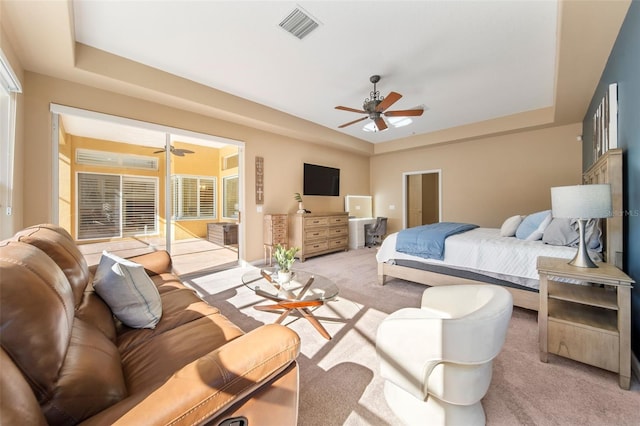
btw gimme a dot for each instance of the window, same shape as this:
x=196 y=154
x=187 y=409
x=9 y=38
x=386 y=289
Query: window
x=193 y=197
x=115 y=205
x=92 y=157
x=9 y=88
x=230 y=162
x=230 y=197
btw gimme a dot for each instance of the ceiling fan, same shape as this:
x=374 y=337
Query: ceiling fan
x=180 y=152
x=376 y=106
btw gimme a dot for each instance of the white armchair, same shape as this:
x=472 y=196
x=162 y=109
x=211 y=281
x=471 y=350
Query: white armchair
x=437 y=359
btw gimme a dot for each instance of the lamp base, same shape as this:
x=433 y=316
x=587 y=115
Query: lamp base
x=582 y=259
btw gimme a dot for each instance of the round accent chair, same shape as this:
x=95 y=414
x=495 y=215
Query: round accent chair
x=437 y=359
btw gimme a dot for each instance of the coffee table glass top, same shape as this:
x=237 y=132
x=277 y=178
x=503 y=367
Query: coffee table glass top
x=321 y=288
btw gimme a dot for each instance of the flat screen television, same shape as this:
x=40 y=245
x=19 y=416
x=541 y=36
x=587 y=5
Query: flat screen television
x=321 y=180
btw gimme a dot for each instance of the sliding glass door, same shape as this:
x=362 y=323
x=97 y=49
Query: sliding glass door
x=132 y=187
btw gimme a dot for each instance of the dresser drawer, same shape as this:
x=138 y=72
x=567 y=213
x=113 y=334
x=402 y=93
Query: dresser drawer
x=312 y=234
x=315 y=221
x=316 y=247
x=339 y=220
x=342 y=230
x=339 y=243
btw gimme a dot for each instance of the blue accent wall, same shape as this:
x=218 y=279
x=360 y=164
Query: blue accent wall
x=623 y=67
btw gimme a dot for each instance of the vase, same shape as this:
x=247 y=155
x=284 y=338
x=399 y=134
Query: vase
x=284 y=278
x=301 y=207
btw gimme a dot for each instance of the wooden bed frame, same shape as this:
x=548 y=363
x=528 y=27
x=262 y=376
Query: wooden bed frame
x=608 y=169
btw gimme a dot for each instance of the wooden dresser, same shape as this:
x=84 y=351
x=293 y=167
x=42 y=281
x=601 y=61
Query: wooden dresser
x=318 y=233
x=276 y=228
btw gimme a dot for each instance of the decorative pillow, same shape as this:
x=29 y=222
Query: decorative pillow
x=510 y=226
x=564 y=232
x=533 y=226
x=127 y=289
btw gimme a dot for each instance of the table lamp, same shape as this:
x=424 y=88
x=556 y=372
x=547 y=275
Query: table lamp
x=581 y=202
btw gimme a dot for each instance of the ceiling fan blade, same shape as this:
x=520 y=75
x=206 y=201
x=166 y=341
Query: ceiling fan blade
x=404 y=113
x=352 y=122
x=178 y=153
x=183 y=151
x=380 y=124
x=391 y=99
x=158 y=152
x=344 y=108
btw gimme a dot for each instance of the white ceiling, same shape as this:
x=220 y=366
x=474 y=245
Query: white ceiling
x=463 y=61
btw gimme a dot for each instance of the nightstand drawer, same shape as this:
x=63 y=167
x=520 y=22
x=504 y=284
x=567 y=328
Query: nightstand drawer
x=579 y=343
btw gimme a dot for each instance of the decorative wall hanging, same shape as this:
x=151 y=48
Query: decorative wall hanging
x=259 y=180
x=605 y=123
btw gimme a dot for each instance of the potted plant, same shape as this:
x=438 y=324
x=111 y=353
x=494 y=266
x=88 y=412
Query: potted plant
x=298 y=198
x=285 y=259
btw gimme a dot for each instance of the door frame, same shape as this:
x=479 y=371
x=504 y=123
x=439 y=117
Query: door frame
x=405 y=175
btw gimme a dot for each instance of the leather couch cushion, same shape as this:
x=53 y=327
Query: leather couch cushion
x=59 y=246
x=128 y=290
x=91 y=378
x=36 y=301
x=18 y=405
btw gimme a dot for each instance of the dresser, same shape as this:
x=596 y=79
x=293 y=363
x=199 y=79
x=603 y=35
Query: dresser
x=318 y=233
x=276 y=227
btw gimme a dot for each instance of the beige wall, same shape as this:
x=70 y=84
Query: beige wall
x=283 y=157
x=484 y=181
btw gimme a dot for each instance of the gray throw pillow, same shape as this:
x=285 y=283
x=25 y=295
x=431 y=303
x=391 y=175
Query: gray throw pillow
x=564 y=232
x=127 y=289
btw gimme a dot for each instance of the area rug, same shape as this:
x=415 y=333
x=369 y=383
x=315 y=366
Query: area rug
x=339 y=378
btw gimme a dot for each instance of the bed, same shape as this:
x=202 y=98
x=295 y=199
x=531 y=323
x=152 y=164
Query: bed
x=481 y=255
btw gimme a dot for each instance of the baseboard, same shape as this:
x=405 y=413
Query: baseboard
x=635 y=366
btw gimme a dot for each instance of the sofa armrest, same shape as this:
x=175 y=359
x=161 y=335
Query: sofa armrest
x=154 y=263
x=211 y=384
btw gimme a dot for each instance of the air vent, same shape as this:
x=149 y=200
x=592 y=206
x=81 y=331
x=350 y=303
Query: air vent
x=299 y=23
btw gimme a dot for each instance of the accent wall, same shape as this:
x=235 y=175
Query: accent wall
x=623 y=67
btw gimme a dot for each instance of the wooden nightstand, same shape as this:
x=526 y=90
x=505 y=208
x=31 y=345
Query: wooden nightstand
x=587 y=323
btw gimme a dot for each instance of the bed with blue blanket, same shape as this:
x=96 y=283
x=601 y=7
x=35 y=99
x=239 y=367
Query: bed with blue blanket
x=457 y=253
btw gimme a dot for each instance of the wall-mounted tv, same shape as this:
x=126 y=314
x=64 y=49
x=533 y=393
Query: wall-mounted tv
x=321 y=180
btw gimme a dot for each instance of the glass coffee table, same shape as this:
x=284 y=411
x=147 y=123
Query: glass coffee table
x=305 y=290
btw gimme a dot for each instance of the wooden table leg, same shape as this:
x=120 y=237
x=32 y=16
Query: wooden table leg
x=314 y=321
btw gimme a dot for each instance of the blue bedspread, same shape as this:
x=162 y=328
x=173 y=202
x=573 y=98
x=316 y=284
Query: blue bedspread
x=427 y=241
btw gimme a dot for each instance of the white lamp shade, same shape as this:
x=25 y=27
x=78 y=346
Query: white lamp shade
x=581 y=201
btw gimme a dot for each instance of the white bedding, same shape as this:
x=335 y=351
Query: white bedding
x=483 y=250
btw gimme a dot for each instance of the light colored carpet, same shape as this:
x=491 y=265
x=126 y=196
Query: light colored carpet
x=339 y=380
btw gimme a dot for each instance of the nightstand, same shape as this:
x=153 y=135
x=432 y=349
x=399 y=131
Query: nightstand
x=588 y=323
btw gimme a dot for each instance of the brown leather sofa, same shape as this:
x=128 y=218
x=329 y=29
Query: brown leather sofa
x=65 y=359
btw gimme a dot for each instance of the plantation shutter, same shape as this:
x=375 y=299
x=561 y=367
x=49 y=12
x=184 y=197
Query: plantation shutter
x=139 y=205
x=98 y=206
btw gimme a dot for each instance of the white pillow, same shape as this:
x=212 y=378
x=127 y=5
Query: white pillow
x=510 y=226
x=127 y=289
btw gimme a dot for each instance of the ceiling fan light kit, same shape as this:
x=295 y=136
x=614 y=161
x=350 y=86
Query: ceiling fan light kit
x=376 y=106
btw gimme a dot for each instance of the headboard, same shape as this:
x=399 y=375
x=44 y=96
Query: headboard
x=608 y=169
